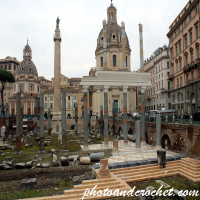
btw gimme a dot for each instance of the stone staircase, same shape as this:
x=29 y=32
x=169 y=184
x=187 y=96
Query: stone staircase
x=187 y=167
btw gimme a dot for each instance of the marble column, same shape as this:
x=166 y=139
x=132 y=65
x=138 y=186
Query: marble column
x=57 y=75
x=101 y=120
x=158 y=131
x=106 y=137
x=113 y=113
x=35 y=119
x=115 y=145
x=85 y=119
x=143 y=114
x=76 y=120
x=137 y=131
x=89 y=129
x=18 y=123
x=49 y=122
x=41 y=122
x=7 y=121
x=104 y=171
x=125 y=114
x=64 y=137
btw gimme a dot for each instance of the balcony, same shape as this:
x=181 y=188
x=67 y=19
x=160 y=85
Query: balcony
x=192 y=80
x=163 y=90
x=171 y=77
x=191 y=65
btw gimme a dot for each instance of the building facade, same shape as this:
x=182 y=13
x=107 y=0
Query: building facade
x=157 y=96
x=184 y=47
x=112 y=54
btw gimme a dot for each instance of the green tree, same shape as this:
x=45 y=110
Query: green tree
x=5 y=77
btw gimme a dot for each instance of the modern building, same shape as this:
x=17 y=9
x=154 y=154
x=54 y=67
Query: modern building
x=109 y=50
x=184 y=47
x=157 y=96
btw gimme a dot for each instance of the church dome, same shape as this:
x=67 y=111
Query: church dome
x=113 y=30
x=27 y=66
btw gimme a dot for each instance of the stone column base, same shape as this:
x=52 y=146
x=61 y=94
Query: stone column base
x=158 y=147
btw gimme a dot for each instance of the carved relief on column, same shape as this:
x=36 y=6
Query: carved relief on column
x=143 y=88
x=106 y=88
x=125 y=87
x=85 y=88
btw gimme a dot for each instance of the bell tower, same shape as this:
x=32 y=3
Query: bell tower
x=27 y=53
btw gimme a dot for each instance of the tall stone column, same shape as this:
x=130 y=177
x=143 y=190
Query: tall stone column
x=106 y=138
x=89 y=129
x=125 y=114
x=141 y=48
x=138 y=138
x=104 y=46
x=57 y=74
x=64 y=139
x=85 y=119
x=7 y=121
x=35 y=119
x=76 y=120
x=158 y=131
x=123 y=46
x=41 y=122
x=143 y=114
x=49 y=122
x=18 y=123
x=113 y=113
x=101 y=120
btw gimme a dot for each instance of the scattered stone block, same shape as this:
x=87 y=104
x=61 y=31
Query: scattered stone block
x=64 y=161
x=26 y=145
x=29 y=164
x=37 y=158
x=71 y=158
x=75 y=161
x=85 y=160
x=55 y=164
x=45 y=165
x=5 y=166
x=20 y=165
x=55 y=157
x=39 y=165
x=97 y=156
x=28 y=184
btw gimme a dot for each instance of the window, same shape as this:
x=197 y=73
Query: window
x=197 y=32
x=159 y=67
x=1 y=66
x=175 y=33
x=38 y=89
x=176 y=50
x=190 y=16
x=192 y=75
x=157 y=85
x=162 y=85
x=187 y=78
x=45 y=98
x=181 y=96
x=196 y=10
x=173 y=98
x=64 y=79
x=186 y=59
x=101 y=61
x=169 y=105
x=153 y=71
x=9 y=94
x=168 y=73
x=159 y=76
x=51 y=105
x=9 y=67
x=51 y=98
x=180 y=65
x=185 y=41
x=181 y=81
x=179 y=29
x=177 y=66
x=168 y=65
x=162 y=74
x=177 y=82
x=171 y=53
x=45 y=105
x=169 y=95
x=68 y=105
x=179 y=47
x=5 y=94
x=74 y=97
x=191 y=54
x=156 y=69
x=160 y=97
x=178 y=97
x=162 y=66
x=197 y=52
x=199 y=73
x=5 y=67
x=126 y=61
x=68 y=98
x=114 y=60
x=190 y=37
x=188 y=95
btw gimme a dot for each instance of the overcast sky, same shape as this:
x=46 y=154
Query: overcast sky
x=81 y=22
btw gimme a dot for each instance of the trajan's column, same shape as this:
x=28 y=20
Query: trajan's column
x=57 y=75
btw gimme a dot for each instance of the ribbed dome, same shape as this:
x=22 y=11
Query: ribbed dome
x=111 y=29
x=27 y=67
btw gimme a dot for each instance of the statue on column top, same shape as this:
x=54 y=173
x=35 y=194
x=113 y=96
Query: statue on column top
x=57 y=22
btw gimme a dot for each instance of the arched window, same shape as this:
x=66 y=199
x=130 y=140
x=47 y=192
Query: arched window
x=114 y=60
x=101 y=61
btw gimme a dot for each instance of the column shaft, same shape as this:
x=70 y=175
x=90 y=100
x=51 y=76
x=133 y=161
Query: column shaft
x=143 y=116
x=18 y=122
x=64 y=139
x=85 y=121
x=35 y=119
x=137 y=130
x=106 y=139
x=113 y=113
x=101 y=120
x=158 y=131
x=76 y=119
x=49 y=122
x=125 y=118
x=89 y=130
x=41 y=122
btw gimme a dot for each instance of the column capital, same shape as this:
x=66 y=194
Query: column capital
x=105 y=87
x=125 y=87
x=85 y=88
x=143 y=88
